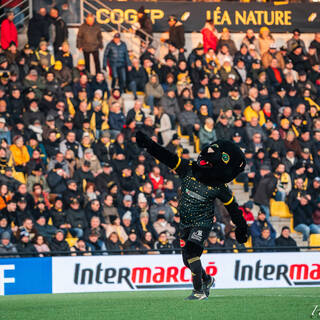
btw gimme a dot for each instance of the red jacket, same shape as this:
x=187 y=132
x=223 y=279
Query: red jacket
x=248 y=216
x=209 y=39
x=156 y=182
x=8 y=34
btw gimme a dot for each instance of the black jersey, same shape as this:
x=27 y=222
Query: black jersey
x=196 y=204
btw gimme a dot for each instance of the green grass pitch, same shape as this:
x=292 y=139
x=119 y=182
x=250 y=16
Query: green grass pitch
x=266 y=304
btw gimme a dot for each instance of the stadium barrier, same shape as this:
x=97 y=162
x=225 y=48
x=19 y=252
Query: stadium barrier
x=155 y=272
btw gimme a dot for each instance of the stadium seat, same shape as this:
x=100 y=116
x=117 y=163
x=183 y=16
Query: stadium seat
x=248 y=244
x=196 y=139
x=279 y=209
x=291 y=226
x=234 y=181
x=314 y=241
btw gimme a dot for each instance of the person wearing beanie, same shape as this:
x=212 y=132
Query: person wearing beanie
x=6 y=247
x=284 y=240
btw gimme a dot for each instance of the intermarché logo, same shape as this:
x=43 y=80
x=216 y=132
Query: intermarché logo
x=142 y=277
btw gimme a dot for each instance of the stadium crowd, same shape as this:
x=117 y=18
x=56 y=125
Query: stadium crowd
x=69 y=163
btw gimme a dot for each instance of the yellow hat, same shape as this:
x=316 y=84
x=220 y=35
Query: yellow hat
x=225 y=30
x=263 y=29
x=284 y=122
x=58 y=65
x=81 y=62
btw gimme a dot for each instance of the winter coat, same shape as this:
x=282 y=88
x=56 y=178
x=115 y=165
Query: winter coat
x=56 y=183
x=265 y=189
x=264 y=243
x=164 y=227
x=116 y=121
x=153 y=89
x=170 y=105
x=258 y=225
x=286 y=242
x=206 y=136
x=77 y=218
x=176 y=35
x=301 y=214
x=8 y=34
x=267 y=58
x=89 y=38
x=119 y=230
x=210 y=40
x=95 y=166
x=26 y=249
x=10 y=250
x=38 y=29
x=59 y=246
x=20 y=155
x=116 y=55
x=188 y=118
x=61 y=32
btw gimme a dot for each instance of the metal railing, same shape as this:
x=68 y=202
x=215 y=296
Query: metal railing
x=24 y=7
x=120 y=27
x=222 y=250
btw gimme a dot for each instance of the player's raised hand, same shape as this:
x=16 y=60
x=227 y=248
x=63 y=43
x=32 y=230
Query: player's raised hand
x=143 y=140
x=242 y=233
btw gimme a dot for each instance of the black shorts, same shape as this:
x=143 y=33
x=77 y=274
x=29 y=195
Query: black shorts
x=196 y=235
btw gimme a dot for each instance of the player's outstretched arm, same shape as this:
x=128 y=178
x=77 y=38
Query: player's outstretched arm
x=162 y=154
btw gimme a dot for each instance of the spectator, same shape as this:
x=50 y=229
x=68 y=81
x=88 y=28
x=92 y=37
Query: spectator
x=95 y=245
x=8 y=31
x=59 y=246
x=176 y=33
x=89 y=41
x=38 y=28
x=148 y=242
x=247 y=213
x=163 y=244
x=296 y=41
x=162 y=225
x=114 y=245
x=189 y=121
x=207 y=133
x=209 y=37
x=225 y=40
x=115 y=226
x=7 y=249
x=145 y=29
x=251 y=39
x=284 y=240
x=41 y=246
x=60 y=29
x=76 y=218
x=132 y=245
x=265 y=189
x=272 y=53
x=259 y=224
x=80 y=248
x=264 y=243
x=153 y=91
x=213 y=245
x=231 y=244
x=116 y=55
x=137 y=78
x=24 y=247
x=265 y=40
x=302 y=216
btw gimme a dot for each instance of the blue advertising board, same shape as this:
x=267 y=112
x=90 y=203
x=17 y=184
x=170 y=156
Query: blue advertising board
x=25 y=276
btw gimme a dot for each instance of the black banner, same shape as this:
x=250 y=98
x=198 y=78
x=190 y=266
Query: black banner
x=233 y=15
x=236 y=16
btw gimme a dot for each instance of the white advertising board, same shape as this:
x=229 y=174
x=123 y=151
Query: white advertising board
x=158 y=272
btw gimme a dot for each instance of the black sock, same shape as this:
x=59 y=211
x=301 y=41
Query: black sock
x=196 y=270
x=205 y=277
